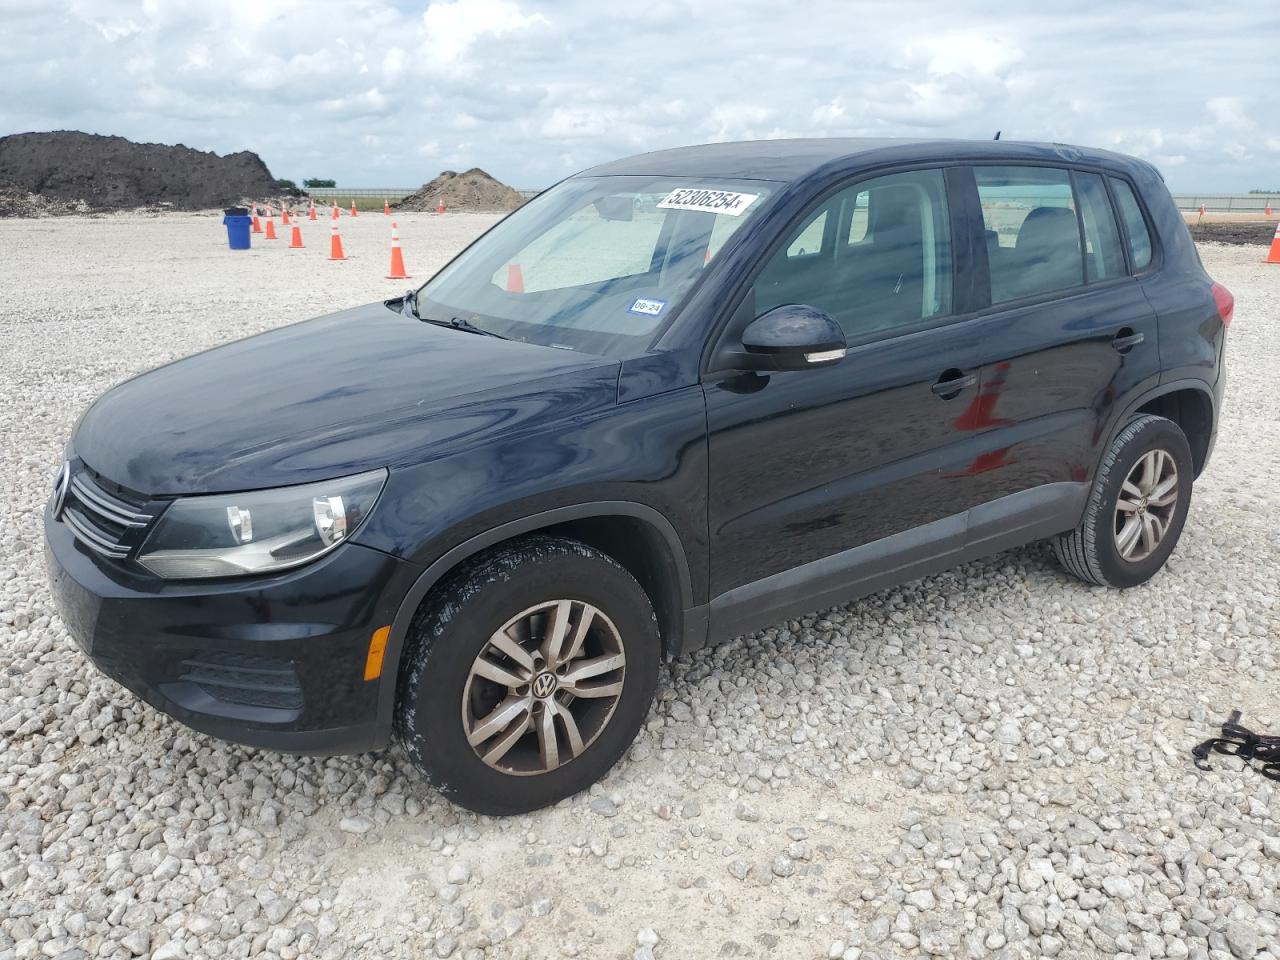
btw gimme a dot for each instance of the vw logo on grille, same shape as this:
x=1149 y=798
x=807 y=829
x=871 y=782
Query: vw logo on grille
x=60 y=486
x=544 y=685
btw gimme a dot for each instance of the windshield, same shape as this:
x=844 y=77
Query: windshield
x=596 y=264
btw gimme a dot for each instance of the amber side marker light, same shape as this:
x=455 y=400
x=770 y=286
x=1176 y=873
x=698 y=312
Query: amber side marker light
x=377 y=647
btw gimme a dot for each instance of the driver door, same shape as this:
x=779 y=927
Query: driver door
x=809 y=465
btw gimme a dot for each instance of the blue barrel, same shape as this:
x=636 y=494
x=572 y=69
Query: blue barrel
x=237 y=221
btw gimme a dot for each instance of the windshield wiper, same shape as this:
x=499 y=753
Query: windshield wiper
x=409 y=307
x=459 y=324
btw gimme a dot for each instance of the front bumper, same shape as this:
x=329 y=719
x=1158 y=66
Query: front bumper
x=275 y=662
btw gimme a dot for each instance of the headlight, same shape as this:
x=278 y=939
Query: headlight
x=233 y=534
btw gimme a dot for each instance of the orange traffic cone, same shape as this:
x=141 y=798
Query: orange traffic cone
x=353 y=209
x=397 y=256
x=311 y=211
x=335 y=245
x=1267 y=212
x=284 y=215
x=386 y=208
x=271 y=226
x=515 y=278
x=440 y=206
x=1202 y=211
x=256 y=226
x=1274 y=255
x=295 y=241
x=335 y=210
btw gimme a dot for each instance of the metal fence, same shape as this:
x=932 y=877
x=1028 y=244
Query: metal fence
x=1228 y=202
x=376 y=193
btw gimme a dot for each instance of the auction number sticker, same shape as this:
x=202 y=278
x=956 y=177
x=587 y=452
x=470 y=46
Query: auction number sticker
x=646 y=307
x=708 y=201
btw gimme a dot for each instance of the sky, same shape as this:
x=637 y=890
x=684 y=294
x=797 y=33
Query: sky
x=390 y=92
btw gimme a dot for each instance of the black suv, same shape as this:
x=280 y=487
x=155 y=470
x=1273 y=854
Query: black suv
x=668 y=401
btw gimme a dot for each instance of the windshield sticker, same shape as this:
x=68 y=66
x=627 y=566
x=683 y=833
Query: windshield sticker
x=647 y=308
x=708 y=201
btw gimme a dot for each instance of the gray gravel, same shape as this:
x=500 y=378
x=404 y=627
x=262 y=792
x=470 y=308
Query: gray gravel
x=988 y=763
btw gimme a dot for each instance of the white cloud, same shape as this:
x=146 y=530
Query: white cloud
x=197 y=57
x=535 y=89
x=736 y=121
x=1229 y=112
x=452 y=26
x=966 y=53
x=828 y=114
x=569 y=123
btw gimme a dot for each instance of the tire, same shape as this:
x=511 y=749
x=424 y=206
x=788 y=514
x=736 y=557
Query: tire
x=1095 y=550
x=448 y=698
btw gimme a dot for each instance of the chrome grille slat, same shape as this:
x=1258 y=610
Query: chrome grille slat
x=90 y=537
x=103 y=518
x=113 y=510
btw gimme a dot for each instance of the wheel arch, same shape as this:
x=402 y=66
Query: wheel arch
x=1188 y=403
x=636 y=535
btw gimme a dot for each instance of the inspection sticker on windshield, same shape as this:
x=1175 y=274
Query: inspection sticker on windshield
x=647 y=308
x=708 y=201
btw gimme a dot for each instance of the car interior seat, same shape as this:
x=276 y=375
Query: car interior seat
x=1046 y=254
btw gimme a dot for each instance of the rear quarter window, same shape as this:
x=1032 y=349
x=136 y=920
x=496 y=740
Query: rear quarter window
x=1103 y=254
x=1135 y=225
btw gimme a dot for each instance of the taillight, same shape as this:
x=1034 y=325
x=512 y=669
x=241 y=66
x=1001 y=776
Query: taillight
x=1225 y=303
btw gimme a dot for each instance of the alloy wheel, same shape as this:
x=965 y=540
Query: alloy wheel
x=543 y=687
x=1145 y=507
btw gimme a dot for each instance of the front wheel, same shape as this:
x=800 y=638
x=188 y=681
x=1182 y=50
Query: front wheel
x=527 y=675
x=1136 y=508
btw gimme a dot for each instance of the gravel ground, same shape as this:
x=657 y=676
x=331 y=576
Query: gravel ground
x=992 y=762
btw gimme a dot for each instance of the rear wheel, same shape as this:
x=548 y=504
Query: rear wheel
x=1136 y=509
x=527 y=675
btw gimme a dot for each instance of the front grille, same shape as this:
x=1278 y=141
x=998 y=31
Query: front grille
x=245 y=679
x=103 y=516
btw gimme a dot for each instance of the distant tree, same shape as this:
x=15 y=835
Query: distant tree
x=314 y=182
x=1264 y=191
x=283 y=184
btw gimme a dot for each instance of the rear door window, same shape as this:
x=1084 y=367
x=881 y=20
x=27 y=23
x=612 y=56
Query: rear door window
x=1135 y=225
x=1033 y=237
x=1103 y=254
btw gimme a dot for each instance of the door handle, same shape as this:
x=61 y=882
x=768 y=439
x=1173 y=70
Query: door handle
x=952 y=382
x=1126 y=340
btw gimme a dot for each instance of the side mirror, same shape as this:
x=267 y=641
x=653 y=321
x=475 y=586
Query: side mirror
x=793 y=337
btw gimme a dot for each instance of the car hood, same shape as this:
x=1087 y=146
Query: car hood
x=353 y=391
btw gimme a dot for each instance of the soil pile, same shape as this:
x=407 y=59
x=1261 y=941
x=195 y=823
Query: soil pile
x=1238 y=233
x=472 y=190
x=112 y=173
x=16 y=201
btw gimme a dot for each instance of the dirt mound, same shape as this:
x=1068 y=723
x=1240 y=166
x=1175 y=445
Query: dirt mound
x=472 y=190
x=112 y=173
x=16 y=201
x=1246 y=233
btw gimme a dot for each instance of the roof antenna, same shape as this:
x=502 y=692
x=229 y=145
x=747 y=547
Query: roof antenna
x=997 y=136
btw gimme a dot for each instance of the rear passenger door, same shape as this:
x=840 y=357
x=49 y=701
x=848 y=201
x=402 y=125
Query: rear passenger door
x=1074 y=330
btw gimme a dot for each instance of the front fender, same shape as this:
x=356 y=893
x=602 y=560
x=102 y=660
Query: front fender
x=644 y=460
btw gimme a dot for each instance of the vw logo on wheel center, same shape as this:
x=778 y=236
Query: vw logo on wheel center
x=544 y=685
